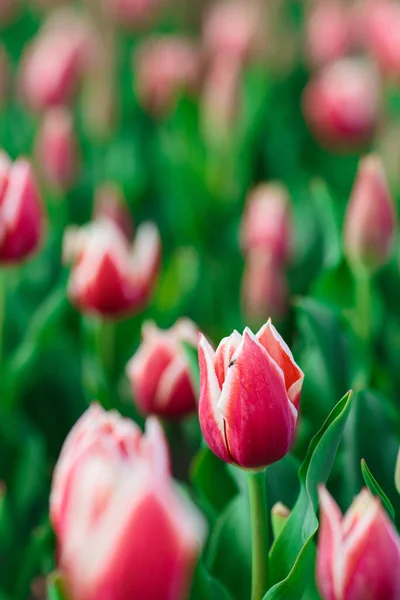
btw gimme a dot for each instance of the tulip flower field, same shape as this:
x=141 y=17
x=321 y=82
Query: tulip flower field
x=199 y=300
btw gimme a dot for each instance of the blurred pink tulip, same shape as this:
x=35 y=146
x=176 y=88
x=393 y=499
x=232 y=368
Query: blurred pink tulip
x=264 y=288
x=266 y=223
x=380 y=34
x=341 y=104
x=54 y=62
x=124 y=530
x=169 y=392
x=9 y=11
x=163 y=68
x=370 y=224
x=21 y=211
x=233 y=28
x=132 y=13
x=110 y=205
x=56 y=148
x=109 y=276
x=5 y=76
x=358 y=554
x=249 y=397
x=328 y=32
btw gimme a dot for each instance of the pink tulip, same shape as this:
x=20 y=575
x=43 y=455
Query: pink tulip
x=55 y=61
x=328 y=33
x=163 y=68
x=124 y=530
x=341 y=104
x=109 y=276
x=56 y=149
x=169 y=392
x=132 y=13
x=110 y=205
x=358 y=554
x=21 y=211
x=264 y=288
x=249 y=397
x=233 y=29
x=370 y=224
x=266 y=224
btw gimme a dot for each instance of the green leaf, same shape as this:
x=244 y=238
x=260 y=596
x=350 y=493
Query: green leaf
x=206 y=587
x=326 y=209
x=291 y=560
x=376 y=489
x=55 y=587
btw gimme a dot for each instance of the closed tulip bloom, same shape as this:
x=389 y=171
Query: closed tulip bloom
x=266 y=223
x=169 y=392
x=56 y=149
x=370 y=222
x=264 y=288
x=341 y=104
x=164 y=67
x=328 y=32
x=249 y=397
x=133 y=14
x=109 y=276
x=123 y=528
x=358 y=554
x=55 y=61
x=21 y=211
x=380 y=34
x=110 y=205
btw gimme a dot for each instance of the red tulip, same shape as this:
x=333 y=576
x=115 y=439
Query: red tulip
x=169 y=392
x=341 y=104
x=164 y=67
x=358 y=554
x=21 y=211
x=266 y=224
x=264 y=287
x=249 y=397
x=54 y=62
x=123 y=528
x=370 y=225
x=56 y=149
x=108 y=276
x=328 y=33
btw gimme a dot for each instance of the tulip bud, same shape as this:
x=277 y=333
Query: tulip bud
x=279 y=515
x=132 y=13
x=108 y=276
x=21 y=211
x=164 y=67
x=370 y=223
x=358 y=554
x=54 y=62
x=266 y=224
x=169 y=392
x=249 y=397
x=110 y=205
x=114 y=506
x=328 y=33
x=57 y=149
x=264 y=288
x=341 y=104
x=232 y=29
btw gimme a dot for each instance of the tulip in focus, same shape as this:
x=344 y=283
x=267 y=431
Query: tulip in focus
x=266 y=224
x=169 y=392
x=21 y=211
x=110 y=205
x=358 y=554
x=328 y=33
x=249 y=397
x=264 y=288
x=341 y=104
x=109 y=276
x=132 y=13
x=124 y=530
x=54 y=62
x=56 y=149
x=163 y=68
x=370 y=222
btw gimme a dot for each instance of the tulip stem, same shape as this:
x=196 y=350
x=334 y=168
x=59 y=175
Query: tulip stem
x=259 y=533
x=363 y=303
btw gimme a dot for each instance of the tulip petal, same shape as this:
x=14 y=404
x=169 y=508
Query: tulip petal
x=277 y=348
x=175 y=394
x=329 y=544
x=259 y=418
x=223 y=355
x=211 y=420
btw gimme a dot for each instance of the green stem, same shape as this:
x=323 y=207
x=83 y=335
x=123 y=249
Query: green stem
x=98 y=359
x=362 y=325
x=259 y=533
x=3 y=292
